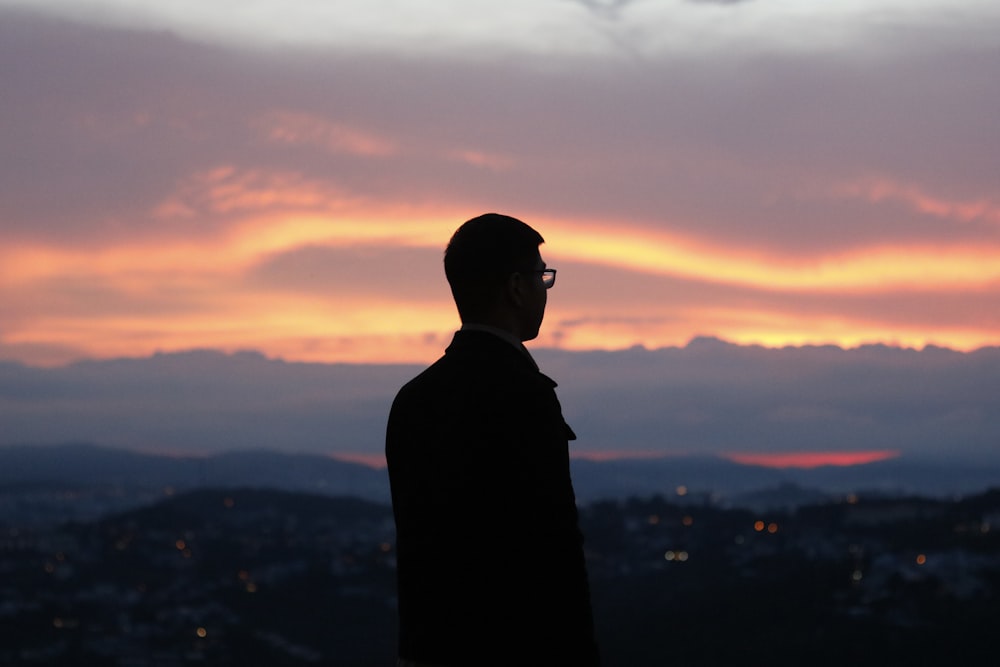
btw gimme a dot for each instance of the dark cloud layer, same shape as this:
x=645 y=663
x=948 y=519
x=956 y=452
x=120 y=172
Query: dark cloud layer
x=706 y=398
x=711 y=397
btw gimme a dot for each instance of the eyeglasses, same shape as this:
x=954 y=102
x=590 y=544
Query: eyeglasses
x=548 y=277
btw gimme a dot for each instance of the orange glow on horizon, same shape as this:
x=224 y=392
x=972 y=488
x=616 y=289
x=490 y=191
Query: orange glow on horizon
x=811 y=459
x=791 y=460
x=376 y=461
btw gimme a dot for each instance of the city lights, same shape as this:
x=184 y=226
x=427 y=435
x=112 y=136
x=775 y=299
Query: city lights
x=760 y=526
x=848 y=571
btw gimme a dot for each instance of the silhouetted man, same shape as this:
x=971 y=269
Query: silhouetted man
x=490 y=556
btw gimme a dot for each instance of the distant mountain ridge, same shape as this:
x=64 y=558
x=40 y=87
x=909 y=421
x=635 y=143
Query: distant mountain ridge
x=734 y=483
x=699 y=479
x=85 y=464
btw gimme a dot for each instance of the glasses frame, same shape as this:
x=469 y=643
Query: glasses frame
x=548 y=277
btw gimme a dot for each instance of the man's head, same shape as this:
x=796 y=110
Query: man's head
x=494 y=269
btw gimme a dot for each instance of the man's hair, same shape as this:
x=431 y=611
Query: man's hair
x=482 y=253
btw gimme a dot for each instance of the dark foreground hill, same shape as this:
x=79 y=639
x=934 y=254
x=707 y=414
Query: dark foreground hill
x=250 y=577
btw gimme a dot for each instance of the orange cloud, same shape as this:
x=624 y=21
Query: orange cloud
x=774 y=328
x=292 y=328
x=171 y=292
x=301 y=213
x=225 y=190
x=491 y=161
x=880 y=189
x=677 y=324
x=179 y=288
x=297 y=128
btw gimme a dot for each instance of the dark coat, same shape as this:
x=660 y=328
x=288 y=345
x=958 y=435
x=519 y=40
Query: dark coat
x=490 y=555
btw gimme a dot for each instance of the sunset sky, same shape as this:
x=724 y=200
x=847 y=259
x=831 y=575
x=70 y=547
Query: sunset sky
x=283 y=176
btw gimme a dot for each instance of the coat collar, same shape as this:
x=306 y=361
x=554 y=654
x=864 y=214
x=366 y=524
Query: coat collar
x=477 y=341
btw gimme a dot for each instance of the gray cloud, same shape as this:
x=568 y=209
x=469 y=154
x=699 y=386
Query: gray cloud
x=706 y=398
x=200 y=402
x=607 y=9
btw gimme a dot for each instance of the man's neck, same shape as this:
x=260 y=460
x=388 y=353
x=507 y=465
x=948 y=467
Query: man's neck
x=508 y=336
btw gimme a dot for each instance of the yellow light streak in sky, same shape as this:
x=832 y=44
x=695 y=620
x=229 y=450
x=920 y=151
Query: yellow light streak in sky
x=233 y=250
x=254 y=237
x=278 y=324
x=760 y=327
x=207 y=302
x=865 y=270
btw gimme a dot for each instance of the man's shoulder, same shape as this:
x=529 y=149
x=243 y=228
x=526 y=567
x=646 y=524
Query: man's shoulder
x=433 y=374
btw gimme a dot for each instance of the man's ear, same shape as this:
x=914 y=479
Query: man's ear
x=515 y=289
